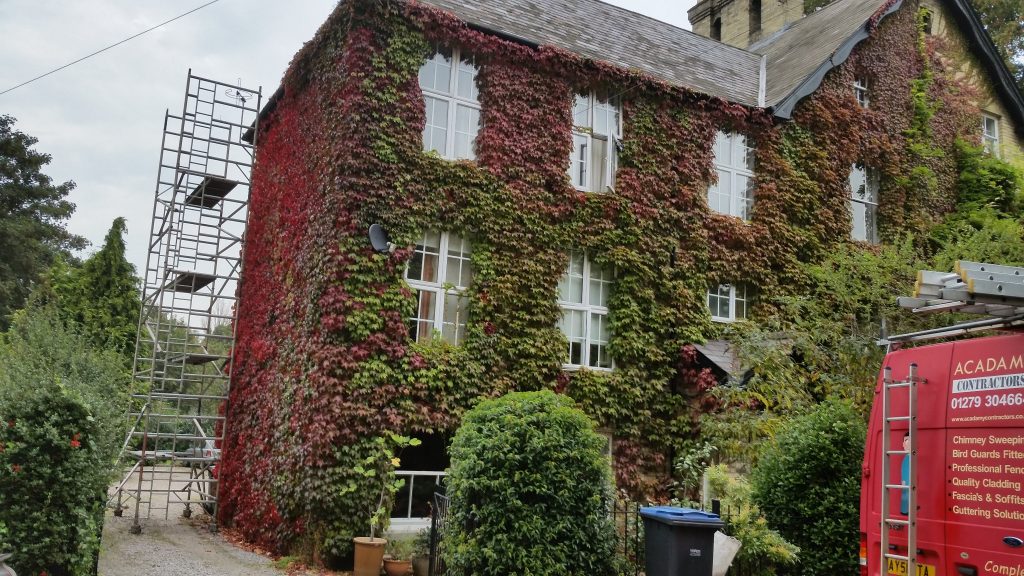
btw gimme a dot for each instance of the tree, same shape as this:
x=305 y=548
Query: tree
x=33 y=211
x=1004 y=22
x=102 y=295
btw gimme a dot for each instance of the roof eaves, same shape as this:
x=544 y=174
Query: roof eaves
x=784 y=108
x=1005 y=85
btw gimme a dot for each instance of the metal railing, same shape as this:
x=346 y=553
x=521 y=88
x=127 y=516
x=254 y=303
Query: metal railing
x=438 y=523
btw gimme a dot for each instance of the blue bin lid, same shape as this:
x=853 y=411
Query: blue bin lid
x=678 y=515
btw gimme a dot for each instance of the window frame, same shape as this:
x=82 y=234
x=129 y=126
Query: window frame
x=586 y=134
x=990 y=142
x=741 y=207
x=589 y=311
x=862 y=92
x=441 y=289
x=872 y=183
x=454 y=101
x=733 y=297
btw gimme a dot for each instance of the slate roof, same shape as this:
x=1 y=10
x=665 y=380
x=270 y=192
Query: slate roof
x=722 y=354
x=797 y=51
x=626 y=39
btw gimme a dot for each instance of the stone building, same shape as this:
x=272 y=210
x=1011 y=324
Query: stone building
x=580 y=198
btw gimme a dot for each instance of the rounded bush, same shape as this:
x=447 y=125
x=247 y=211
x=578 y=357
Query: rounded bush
x=530 y=491
x=807 y=484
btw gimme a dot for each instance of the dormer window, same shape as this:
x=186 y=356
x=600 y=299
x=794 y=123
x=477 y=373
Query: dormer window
x=861 y=92
x=448 y=81
x=596 y=135
x=716 y=28
x=733 y=194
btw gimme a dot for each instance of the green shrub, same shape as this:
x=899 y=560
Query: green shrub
x=763 y=549
x=61 y=411
x=807 y=483
x=530 y=491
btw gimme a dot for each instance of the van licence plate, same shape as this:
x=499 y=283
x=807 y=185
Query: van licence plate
x=899 y=568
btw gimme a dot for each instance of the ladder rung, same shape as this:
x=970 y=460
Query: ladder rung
x=898 y=557
x=899 y=521
x=897 y=418
x=889 y=486
x=898 y=384
x=892 y=452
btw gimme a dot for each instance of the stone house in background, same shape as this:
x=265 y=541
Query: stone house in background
x=580 y=198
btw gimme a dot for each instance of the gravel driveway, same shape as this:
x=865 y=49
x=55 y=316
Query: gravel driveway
x=174 y=548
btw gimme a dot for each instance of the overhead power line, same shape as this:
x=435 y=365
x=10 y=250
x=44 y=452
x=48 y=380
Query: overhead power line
x=69 y=64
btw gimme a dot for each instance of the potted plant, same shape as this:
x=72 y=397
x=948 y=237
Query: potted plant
x=379 y=469
x=421 y=553
x=397 y=561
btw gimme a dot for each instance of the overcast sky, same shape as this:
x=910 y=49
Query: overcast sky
x=102 y=119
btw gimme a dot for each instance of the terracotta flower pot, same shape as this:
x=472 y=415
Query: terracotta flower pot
x=397 y=567
x=369 y=553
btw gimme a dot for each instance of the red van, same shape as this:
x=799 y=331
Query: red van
x=968 y=481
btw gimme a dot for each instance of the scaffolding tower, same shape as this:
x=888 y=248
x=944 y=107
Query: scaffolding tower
x=186 y=328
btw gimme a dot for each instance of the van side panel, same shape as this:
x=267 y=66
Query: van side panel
x=985 y=453
x=933 y=364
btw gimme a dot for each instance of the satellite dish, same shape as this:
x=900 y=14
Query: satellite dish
x=379 y=239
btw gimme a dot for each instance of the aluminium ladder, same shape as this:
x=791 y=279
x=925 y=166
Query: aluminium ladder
x=909 y=522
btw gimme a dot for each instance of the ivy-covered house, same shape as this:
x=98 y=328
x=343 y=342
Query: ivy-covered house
x=581 y=197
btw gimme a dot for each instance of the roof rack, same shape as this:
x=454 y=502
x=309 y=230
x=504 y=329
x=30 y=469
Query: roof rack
x=990 y=290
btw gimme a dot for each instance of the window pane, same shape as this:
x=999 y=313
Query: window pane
x=749 y=156
x=453 y=328
x=747 y=201
x=422 y=328
x=435 y=131
x=467 y=125
x=871 y=185
x=859 y=223
x=581 y=111
x=741 y=302
x=598 y=342
x=459 y=271
x=570 y=286
x=423 y=264
x=579 y=161
x=719 y=195
x=858 y=182
x=600 y=162
x=871 y=223
x=600 y=285
x=436 y=73
x=466 y=81
x=603 y=117
x=572 y=326
x=723 y=149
